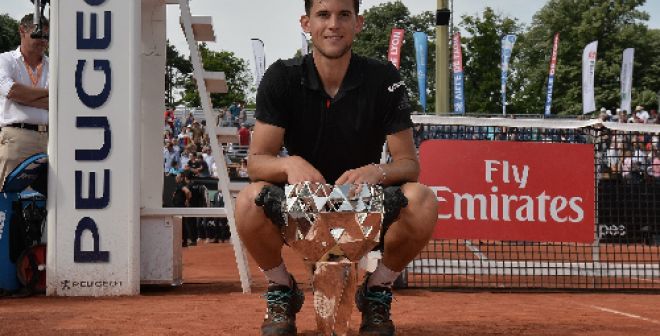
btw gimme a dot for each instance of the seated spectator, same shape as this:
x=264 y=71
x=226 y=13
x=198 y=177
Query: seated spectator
x=170 y=154
x=655 y=166
x=174 y=169
x=198 y=166
x=641 y=116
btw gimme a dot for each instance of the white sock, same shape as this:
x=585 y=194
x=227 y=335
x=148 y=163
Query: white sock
x=279 y=275
x=382 y=277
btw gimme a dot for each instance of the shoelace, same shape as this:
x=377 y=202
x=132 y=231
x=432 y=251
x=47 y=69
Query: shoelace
x=278 y=299
x=379 y=301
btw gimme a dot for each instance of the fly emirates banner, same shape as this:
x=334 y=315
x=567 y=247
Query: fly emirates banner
x=511 y=190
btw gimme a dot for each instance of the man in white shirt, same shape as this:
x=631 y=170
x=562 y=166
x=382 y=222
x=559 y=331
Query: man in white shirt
x=641 y=114
x=23 y=99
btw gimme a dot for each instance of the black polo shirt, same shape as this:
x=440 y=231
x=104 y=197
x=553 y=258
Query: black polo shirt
x=340 y=133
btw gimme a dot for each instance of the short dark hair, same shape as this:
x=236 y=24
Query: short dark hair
x=28 y=21
x=308 y=6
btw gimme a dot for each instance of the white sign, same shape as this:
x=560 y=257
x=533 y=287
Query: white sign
x=588 y=75
x=626 y=79
x=94 y=148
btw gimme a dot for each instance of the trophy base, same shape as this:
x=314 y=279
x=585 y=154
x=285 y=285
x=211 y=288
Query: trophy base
x=334 y=284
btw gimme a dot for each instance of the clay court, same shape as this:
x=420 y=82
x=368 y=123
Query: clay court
x=211 y=303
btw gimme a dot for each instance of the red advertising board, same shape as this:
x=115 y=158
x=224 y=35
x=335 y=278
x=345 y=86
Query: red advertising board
x=525 y=191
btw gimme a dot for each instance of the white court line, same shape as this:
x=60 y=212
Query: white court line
x=649 y=280
x=624 y=314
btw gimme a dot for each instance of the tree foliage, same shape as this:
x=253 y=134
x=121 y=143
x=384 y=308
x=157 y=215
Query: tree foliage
x=616 y=25
x=178 y=70
x=482 y=55
x=9 y=38
x=236 y=72
x=373 y=41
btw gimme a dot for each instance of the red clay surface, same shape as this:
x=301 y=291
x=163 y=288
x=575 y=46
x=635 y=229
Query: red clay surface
x=211 y=303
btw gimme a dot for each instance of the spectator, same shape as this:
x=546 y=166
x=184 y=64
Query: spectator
x=190 y=119
x=244 y=136
x=181 y=199
x=174 y=169
x=23 y=99
x=655 y=166
x=169 y=155
x=641 y=116
x=169 y=117
x=210 y=161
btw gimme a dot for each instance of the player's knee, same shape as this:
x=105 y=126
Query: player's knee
x=420 y=197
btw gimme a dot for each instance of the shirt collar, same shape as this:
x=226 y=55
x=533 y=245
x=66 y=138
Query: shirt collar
x=354 y=75
x=19 y=55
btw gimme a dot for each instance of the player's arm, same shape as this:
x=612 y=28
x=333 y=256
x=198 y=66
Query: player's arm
x=404 y=166
x=265 y=165
x=29 y=96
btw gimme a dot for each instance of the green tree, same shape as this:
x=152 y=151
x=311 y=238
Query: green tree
x=616 y=25
x=9 y=38
x=482 y=55
x=178 y=70
x=373 y=41
x=236 y=72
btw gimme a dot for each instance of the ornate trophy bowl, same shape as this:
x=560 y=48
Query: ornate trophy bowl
x=333 y=227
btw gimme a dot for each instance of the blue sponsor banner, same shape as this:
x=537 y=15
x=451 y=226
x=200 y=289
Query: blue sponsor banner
x=507 y=46
x=421 y=48
x=551 y=76
x=459 y=98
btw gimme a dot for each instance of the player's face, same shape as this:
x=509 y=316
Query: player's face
x=332 y=25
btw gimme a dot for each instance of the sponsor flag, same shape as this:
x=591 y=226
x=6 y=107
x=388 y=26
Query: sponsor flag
x=588 y=74
x=551 y=77
x=421 y=50
x=259 y=60
x=626 y=79
x=396 y=42
x=507 y=47
x=304 y=50
x=457 y=53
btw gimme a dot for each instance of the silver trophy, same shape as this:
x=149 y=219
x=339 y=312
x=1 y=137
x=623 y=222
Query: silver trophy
x=333 y=227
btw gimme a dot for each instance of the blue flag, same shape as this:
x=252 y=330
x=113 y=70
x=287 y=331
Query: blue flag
x=421 y=49
x=507 y=46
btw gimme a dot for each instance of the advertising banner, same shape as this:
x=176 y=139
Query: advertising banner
x=421 y=50
x=551 y=77
x=507 y=47
x=394 y=50
x=259 y=60
x=457 y=66
x=588 y=75
x=94 y=148
x=517 y=191
x=626 y=79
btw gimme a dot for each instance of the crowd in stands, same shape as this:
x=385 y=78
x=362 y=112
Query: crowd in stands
x=627 y=155
x=187 y=156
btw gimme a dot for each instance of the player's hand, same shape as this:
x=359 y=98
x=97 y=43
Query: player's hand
x=369 y=174
x=299 y=170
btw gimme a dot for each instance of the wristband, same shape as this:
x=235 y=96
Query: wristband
x=383 y=176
